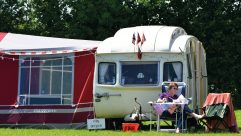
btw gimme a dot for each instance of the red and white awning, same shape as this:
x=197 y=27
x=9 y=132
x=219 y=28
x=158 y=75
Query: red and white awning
x=19 y=44
x=41 y=52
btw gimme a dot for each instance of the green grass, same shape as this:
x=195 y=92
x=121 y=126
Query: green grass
x=61 y=132
x=238 y=118
x=84 y=132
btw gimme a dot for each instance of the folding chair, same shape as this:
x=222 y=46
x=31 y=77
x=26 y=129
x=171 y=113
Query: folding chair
x=214 y=118
x=219 y=113
x=172 y=120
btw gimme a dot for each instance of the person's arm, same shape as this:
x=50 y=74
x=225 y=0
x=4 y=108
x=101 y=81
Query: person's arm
x=162 y=98
x=159 y=100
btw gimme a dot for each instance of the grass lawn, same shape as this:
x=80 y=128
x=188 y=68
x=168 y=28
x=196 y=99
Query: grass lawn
x=85 y=132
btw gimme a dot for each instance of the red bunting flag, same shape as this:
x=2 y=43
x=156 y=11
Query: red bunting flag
x=143 y=39
x=138 y=39
x=133 y=38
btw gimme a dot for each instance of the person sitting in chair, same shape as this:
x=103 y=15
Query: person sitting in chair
x=171 y=96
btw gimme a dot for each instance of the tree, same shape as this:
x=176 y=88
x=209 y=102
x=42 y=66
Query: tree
x=11 y=14
x=98 y=19
x=50 y=17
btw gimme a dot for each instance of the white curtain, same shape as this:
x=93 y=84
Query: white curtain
x=177 y=68
x=103 y=70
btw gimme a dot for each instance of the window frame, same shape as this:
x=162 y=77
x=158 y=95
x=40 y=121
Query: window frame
x=139 y=63
x=62 y=96
x=115 y=70
x=163 y=76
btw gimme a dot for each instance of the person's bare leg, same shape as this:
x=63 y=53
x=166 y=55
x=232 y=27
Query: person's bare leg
x=196 y=116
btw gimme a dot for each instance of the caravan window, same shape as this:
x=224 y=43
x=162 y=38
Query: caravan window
x=139 y=73
x=173 y=71
x=107 y=73
x=45 y=80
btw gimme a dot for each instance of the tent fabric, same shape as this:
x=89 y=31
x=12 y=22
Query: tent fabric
x=223 y=98
x=2 y=35
x=53 y=115
x=12 y=47
x=20 y=44
x=9 y=81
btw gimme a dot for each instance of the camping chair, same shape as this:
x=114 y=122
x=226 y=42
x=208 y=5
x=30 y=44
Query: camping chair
x=172 y=119
x=214 y=117
x=219 y=113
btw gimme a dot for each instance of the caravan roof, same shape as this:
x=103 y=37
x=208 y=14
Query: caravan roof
x=23 y=44
x=148 y=38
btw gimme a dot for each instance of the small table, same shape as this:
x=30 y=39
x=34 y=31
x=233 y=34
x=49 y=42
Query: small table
x=158 y=115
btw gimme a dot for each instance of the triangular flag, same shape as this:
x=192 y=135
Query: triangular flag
x=143 y=39
x=133 y=38
x=138 y=39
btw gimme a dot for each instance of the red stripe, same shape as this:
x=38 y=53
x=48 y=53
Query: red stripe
x=85 y=105
x=42 y=118
x=44 y=52
x=54 y=52
x=47 y=107
x=2 y=35
x=12 y=53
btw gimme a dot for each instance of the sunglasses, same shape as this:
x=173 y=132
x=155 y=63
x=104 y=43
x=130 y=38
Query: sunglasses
x=174 y=88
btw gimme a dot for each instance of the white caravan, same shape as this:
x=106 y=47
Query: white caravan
x=133 y=67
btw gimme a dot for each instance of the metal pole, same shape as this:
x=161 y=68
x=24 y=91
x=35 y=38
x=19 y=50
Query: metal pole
x=158 y=123
x=176 y=119
x=150 y=120
x=182 y=117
